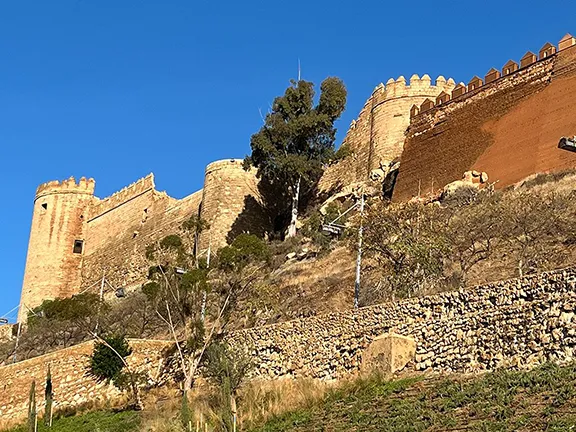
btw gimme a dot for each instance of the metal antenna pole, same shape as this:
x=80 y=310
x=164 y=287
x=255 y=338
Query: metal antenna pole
x=359 y=257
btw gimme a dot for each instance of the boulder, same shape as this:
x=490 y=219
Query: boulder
x=388 y=353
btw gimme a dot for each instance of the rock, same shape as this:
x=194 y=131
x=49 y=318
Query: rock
x=389 y=353
x=291 y=255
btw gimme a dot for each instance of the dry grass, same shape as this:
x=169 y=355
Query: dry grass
x=262 y=400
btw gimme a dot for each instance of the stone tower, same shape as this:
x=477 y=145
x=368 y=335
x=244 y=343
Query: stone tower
x=390 y=117
x=230 y=203
x=56 y=245
x=378 y=134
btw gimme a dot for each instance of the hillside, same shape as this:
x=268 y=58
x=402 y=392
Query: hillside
x=542 y=399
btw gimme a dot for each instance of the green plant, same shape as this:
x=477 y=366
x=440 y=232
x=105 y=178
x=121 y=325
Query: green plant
x=32 y=413
x=295 y=142
x=49 y=398
x=108 y=363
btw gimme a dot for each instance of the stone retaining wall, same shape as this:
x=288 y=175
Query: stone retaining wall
x=519 y=322
x=475 y=322
x=73 y=388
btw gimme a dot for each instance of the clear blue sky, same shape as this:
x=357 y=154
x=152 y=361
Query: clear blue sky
x=117 y=89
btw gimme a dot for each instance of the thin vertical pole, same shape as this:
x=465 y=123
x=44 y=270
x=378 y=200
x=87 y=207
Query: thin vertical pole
x=17 y=338
x=359 y=257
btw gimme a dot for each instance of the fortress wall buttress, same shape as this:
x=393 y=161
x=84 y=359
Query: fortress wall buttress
x=56 y=244
x=231 y=204
x=379 y=132
x=508 y=126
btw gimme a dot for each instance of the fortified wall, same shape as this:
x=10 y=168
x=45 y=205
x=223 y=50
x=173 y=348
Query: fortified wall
x=77 y=239
x=519 y=323
x=377 y=135
x=507 y=124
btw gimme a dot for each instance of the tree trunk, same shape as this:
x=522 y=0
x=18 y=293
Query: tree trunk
x=295 y=196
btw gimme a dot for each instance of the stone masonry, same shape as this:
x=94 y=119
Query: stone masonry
x=76 y=239
x=73 y=387
x=519 y=322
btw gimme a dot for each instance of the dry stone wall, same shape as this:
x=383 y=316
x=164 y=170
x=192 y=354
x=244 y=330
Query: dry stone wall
x=520 y=321
x=72 y=387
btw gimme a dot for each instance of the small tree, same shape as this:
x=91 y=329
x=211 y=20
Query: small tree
x=108 y=363
x=32 y=413
x=227 y=368
x=175 y=288
x=405 y=247
x=297 y=139
x=49 y=398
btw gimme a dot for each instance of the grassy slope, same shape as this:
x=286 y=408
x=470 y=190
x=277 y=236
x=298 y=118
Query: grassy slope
x=99 y=421
x=543 y=399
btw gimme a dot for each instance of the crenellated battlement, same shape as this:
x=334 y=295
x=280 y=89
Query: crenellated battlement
x=416 y=87
x=494 y=76
x=84 y=186
x=135 y=189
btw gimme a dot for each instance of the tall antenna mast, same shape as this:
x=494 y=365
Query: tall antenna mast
x=298 y=69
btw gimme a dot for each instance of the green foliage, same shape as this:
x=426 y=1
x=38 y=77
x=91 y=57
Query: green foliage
x=501 y=400
x=186 y=414
x=245 y=249
x=73 y=308
x=151 y=290
x=32 y=412
x=105 y=364
x=195 y=224
x=296 y=140
x=48 y=397
x=98 y=421
x=226 y=368
x=171 y=241
x=343 y=151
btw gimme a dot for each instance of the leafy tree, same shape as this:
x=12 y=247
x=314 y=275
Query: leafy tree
x=108 y=364
x=295 y=142
x=245 y=248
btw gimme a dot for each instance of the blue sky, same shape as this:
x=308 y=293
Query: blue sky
x=117 y=89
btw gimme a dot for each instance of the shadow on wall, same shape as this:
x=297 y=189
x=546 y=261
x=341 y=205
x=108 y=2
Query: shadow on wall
x=254 y=219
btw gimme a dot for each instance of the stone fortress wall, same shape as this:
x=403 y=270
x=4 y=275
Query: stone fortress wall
x=377 y=135
x=508 y=125
x=111 y=234
x=520 y=322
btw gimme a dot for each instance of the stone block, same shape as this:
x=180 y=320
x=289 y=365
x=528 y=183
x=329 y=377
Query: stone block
x=388 y=353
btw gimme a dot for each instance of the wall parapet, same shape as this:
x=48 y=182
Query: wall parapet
x=137 y=188
x=84 y=186
x=493 y=76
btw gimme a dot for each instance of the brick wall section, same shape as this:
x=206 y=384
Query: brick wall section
x=73 y=388
x=509 y=129
x=474 y=329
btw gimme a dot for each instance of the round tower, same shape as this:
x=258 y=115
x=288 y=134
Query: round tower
x=230 y=203
x=391 y=104
x=56 y=244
